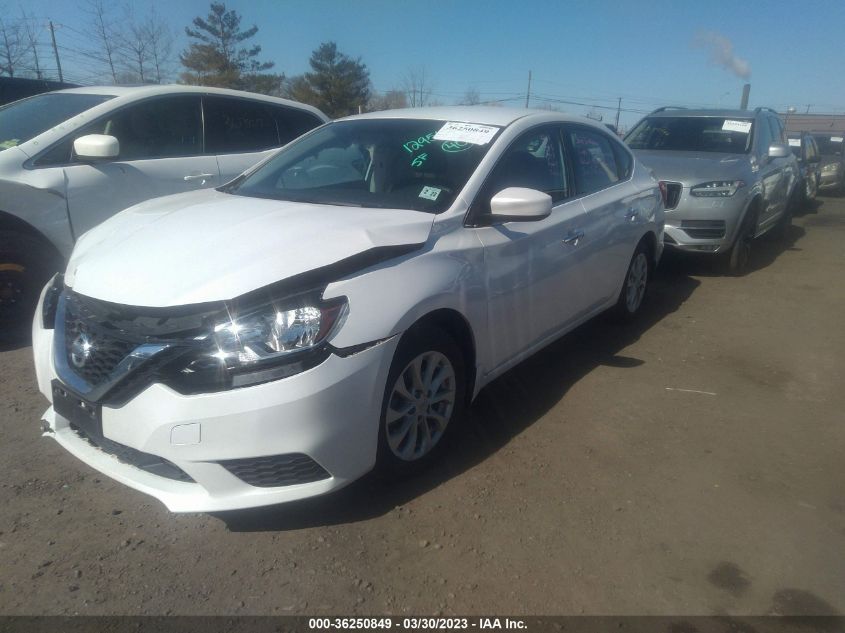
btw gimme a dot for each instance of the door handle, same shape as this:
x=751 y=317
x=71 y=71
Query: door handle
x=197 y=177
x=572 y=237
x=631 y=214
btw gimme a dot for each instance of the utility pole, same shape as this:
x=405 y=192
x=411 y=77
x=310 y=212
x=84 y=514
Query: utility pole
x=56 y=50
x=808 y=108
x=528 y=92
x=618 y=110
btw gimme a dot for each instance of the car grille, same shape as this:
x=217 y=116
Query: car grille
x=276 y=470
x=704 y=229
x=673 y=194
x=106 y=351
x=145 y=461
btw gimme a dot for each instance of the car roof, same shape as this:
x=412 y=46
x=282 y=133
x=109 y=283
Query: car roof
x=685 y=112
x=481 y=115
x=152 y=90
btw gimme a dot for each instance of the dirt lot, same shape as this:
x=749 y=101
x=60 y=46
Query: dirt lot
x=692 y=464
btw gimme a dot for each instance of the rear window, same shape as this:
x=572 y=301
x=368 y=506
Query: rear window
x=25 y=119
x=693 y=134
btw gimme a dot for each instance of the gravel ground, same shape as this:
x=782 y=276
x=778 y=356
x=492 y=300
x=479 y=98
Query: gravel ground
x=689 y=464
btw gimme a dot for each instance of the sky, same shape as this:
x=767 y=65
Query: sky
x=587 y=53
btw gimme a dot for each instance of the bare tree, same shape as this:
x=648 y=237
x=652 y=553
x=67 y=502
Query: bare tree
x=12 y=46
x=104 y=33
x=390 y=100
x=160 y=46
x=417 y=86
x=471 y=96
x=32 y=34
x=133 y=49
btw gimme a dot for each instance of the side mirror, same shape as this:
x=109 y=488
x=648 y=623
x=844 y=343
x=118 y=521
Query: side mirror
x=778 y=150
x=96 y=146
x=519 y=204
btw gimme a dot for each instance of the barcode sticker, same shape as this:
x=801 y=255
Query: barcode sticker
x=736 y=126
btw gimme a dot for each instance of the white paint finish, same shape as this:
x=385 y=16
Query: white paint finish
x=517 y=286
x=184 y=434
x=96 y=190
x=96 y=146
x=210 y=246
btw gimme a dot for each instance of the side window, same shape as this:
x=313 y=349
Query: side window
x=238 y=125
x=534 y=161
x=624 y=160
x=593 y=160
x=776 y=129
x=292 y=123
x=158 y=128
x=764 y=136
x=165 y=127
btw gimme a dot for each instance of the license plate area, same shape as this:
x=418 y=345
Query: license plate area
x=81 y=413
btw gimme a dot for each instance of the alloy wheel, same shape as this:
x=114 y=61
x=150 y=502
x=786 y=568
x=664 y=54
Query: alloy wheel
x=635 y=285
x=420 y=406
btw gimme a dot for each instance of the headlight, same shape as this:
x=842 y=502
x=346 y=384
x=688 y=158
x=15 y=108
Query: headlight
x=51 y=300
x=831 y=167
x=717 y=189
x=268 y=342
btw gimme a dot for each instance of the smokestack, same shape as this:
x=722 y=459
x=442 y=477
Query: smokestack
x=746 y=90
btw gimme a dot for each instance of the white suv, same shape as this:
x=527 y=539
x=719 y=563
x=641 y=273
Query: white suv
x=337 y=306
x=72 y=158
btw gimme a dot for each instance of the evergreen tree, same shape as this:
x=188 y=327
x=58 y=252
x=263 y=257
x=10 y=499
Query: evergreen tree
x=337 y=84
x=218 y=58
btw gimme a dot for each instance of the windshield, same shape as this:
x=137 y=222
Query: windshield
x=387 y=163
x=692 y=134
x=27 y=118
x=829 y=144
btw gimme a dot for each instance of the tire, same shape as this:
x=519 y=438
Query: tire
x=427 y=375
x=26 y=264
x=635 y=286
x=736 y=259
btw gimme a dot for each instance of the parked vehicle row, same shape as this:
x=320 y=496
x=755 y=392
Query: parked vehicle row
x=832 y=163
x=72 y=158
x=806 y=152
x=728 y=175
x=336 y=307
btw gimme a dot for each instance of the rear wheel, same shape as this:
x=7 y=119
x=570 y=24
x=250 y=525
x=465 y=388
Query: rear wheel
x=423 y=400
x=637 y=278
x=26 y=264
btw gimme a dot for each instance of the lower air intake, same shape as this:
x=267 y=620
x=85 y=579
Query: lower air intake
x=276 y=470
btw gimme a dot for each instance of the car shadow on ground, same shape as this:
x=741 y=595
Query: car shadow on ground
x=764 y=251
x=502 y=410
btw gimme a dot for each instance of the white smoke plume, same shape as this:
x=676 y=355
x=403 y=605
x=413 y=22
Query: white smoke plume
x=721 y=51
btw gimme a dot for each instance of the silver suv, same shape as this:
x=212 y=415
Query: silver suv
x=727 y=177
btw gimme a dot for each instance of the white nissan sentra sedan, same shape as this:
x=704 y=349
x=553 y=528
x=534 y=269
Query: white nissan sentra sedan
x=336 y=308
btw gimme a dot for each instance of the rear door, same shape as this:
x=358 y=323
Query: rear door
x=612 y=218
x=241 y=132
x=160 y=154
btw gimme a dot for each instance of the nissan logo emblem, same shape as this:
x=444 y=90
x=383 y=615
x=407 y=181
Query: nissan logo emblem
x=81 y=350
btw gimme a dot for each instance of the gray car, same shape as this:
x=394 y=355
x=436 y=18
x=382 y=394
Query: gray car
x=727 y=177
x=833 y=163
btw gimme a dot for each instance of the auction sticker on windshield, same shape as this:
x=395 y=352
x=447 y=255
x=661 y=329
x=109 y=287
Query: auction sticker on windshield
x=795 y=142
x=736 y=126
x=466 y=133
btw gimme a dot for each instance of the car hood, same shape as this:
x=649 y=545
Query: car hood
x=210 y=246
x=692 y=168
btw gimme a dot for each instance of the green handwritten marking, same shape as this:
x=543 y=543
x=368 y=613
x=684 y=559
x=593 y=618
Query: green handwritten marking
x=419 y=160
x=455 y=146
x=12 y=142
x=418 y=144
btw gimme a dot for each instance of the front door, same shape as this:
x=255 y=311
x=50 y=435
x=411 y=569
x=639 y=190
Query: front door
x=161 y=153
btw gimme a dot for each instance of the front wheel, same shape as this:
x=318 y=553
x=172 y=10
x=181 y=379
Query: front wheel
x=424 y=399
x=736 y=260
x=634 y=289
x=25 y=266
